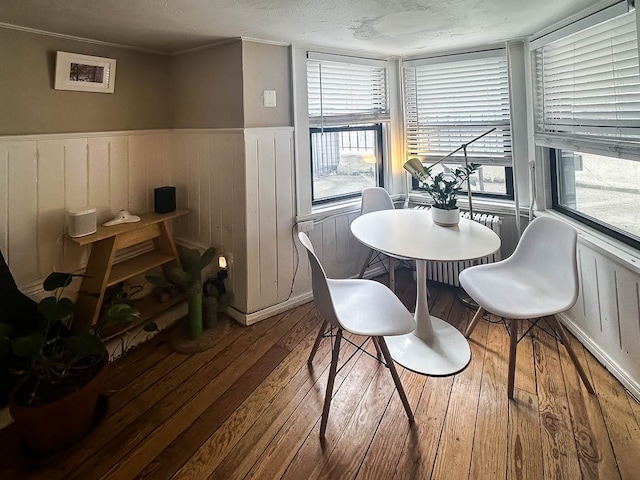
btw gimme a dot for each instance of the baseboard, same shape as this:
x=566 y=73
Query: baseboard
x=623 y=377
x=251 y=318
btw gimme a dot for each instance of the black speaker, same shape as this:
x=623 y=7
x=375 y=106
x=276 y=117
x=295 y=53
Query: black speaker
x=164 y=199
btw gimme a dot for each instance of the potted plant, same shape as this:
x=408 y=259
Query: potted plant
x=443 y=187
x=54 y=402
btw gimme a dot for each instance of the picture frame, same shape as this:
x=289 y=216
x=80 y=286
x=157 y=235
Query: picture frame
x=85 y=73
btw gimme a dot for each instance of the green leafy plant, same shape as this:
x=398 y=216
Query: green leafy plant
x=57 y=361
x=444 y=186
x=189 y=279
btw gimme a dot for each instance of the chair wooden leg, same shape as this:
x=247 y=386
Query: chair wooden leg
x=317 y=342
x=332 y=377
x=392 y=275
x=474 y=321
x=366 y=264
x=513 y=345
x=396 y=378
x=567 y=343
x=375 y=344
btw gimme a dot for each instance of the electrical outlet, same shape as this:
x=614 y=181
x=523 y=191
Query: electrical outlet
x=305 y=227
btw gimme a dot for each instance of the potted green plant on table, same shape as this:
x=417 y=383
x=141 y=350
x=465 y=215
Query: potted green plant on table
x=443 y=188
x=62 y=372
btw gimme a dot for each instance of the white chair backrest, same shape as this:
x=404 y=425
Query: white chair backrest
x=548 y=248
x=374 y=199
x=321 y=293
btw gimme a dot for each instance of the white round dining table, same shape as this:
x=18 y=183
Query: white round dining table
x=435 y=347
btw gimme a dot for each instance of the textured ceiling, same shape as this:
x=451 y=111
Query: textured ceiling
x=390 y=27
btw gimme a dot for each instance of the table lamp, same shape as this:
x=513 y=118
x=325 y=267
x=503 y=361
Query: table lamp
x=414 y=166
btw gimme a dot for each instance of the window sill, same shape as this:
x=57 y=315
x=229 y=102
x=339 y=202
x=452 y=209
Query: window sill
x=610 y=247
x=484 y=205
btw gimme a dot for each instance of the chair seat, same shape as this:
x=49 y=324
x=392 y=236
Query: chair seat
x=369 y=308
x=514 y=293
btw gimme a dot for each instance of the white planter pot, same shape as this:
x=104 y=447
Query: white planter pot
x=445 y=218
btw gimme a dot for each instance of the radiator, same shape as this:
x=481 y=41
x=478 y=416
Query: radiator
x=447 y=272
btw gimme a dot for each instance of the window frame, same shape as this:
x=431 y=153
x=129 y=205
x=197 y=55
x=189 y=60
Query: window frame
x=596 y=224
x=377 y=127
x=457 y=160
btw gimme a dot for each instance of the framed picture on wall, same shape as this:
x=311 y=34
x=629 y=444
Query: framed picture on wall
x=85 y=73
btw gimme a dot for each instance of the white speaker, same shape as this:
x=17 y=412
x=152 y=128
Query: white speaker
x=81 y=222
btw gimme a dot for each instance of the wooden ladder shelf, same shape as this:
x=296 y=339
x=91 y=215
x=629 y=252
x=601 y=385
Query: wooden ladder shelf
x=102 y=272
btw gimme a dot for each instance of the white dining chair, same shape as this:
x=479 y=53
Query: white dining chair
x=375 y=199
x=360 y=307
x=539 y=280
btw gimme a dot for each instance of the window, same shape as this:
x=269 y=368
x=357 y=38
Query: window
x=450 y=101
x=348 y=105
x=588 y=116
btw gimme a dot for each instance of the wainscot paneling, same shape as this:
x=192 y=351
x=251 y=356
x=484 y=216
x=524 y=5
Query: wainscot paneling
x=606 y=317
x=41 y=176
x=208 y=172
x=239 y=186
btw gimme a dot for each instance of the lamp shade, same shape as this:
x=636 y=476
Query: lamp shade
x=414 y=167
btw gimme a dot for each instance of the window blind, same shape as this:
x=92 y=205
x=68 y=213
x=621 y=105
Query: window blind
x=588 y=86
x=344 y=94
x=449 y=102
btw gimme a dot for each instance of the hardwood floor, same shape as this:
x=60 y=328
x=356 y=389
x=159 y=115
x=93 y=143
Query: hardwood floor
x=250 y=408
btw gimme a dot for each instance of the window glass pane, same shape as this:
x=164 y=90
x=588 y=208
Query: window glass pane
x=603 y=188
x=344 y=161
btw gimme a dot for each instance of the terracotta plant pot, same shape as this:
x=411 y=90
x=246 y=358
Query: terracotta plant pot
x=53 y=427
x=445 y=218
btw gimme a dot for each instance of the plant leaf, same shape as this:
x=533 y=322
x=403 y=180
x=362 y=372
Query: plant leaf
x=85 y=345
x=150 y=327
x=5 y=331
x=47 y=306
x=122 y=312
x=207 y=257
x=57 y=280
x=27 y=347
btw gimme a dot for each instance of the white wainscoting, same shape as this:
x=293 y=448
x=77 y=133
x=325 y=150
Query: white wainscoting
x=606 y=317
x=239 y=186
x=43 y=175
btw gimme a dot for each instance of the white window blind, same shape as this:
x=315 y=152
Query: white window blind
x=343 y=93
x=449 y=102
x=588 y=86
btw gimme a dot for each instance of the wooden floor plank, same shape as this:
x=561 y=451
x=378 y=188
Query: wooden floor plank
x=173 y=451
x=454 y=450
x=249 y=407
x=245 y=453
x=197 y=452
x=172 y=421
x=623 y=428
x=313 y=454
x=489 y=456
x=276 y=457
x=558 y=443
x=594 y=448
x=384 y=452
x=524 y=458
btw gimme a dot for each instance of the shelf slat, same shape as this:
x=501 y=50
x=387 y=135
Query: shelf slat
x=135 y=266
x=148 y=307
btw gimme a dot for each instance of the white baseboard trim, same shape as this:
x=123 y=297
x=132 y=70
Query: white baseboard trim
x=627 y=381
x=251 y=318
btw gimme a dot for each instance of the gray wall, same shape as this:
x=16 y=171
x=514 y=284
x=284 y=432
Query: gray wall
x=207 y=88
x=29 y=104
x=266 y=67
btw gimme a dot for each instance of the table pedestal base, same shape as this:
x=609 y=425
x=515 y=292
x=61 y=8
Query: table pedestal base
x=446 y=353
